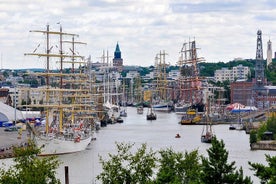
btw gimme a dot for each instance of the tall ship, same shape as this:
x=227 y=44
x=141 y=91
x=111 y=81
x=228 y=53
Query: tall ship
x=190 y=84
x=161 y=97
x=66 y=100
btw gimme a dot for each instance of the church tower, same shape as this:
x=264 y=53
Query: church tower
x=117 y=60
x=269 y=53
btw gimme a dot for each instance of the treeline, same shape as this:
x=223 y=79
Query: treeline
x=208 y=69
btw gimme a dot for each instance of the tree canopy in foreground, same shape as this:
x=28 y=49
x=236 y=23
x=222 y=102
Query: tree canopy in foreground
x=29 y=168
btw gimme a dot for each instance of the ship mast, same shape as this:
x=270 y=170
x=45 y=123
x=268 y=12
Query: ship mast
x=54 y=97
x=191 y=89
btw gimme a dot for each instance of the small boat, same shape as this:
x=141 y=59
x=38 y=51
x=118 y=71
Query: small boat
x=181 y=108
x=162 y=107
x=123 y=113
x=119 y=120
x=232 y=127
x=151 y=114
x=140 y=110
x=190 y=117
x=177 y=136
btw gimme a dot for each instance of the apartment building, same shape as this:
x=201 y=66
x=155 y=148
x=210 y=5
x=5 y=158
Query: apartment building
x=239 y=72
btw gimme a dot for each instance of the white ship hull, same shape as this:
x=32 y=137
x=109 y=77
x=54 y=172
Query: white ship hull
x=58 y=146
x=181 y=109
x=162 y=108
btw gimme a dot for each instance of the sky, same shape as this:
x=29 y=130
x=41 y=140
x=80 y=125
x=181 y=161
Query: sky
x=223 y=29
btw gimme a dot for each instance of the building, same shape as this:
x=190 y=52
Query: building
x=117 y=60
x=269 y=53
x=241 y=92
x=174 y=74
x=239 y=72
x=132 y=74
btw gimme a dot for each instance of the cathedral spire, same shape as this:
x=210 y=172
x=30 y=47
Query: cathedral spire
x=117 y=53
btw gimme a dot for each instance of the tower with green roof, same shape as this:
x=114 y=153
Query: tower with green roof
x=117 y=60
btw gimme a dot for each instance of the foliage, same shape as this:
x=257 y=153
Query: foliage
x=171 y=167
x=208 y=69
x=178 y=168
x=127 y=167
x=29 y=169
x=261 y=130
x=271 y=72
x=253 y=137
x=267 y=174
x=271 y=125
x=216 y=168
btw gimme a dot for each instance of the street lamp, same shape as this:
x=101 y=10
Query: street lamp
x=267 y=101
x=14 y=101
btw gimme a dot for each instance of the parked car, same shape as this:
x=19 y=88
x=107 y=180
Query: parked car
x=11 y=129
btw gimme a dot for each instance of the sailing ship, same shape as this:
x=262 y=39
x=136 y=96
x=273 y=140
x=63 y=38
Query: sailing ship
x=66 y=103
x=161 y=101
x=207 y=132
x=190 y=85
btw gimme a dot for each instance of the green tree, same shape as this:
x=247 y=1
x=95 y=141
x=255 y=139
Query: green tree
x=267 y=174
x=253 y=136
x=271 y=125
x=178 y=167
x=127 y=167
x=30 y=169
x=216 y=169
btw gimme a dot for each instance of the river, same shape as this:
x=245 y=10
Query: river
x=158 y=134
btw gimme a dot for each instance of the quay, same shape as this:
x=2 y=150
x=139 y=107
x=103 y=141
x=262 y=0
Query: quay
x=9 y=140
x=264 y=145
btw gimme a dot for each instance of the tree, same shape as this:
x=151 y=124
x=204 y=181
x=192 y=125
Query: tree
x=178 y=167
x=127 y=167
x=267 y=174
x=216 y=169
x=271 y=125
x=29 y=169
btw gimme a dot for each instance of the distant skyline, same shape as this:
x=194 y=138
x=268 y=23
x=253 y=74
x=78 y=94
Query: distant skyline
x=223 y=29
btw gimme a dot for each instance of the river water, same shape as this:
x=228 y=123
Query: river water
x=158 y=134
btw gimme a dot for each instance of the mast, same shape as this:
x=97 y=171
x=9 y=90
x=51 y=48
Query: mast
x=57 y=98
x=190 y=82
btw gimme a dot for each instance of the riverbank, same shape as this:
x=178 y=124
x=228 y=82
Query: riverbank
x=264 y=145
x=9 y=140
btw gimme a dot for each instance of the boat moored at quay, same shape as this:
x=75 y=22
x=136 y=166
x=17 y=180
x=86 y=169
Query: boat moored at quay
x=65 y=107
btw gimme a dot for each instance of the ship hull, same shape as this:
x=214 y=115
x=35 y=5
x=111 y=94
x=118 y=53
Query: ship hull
x=56 y=146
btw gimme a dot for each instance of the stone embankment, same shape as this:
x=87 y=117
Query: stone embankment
x=264 y=145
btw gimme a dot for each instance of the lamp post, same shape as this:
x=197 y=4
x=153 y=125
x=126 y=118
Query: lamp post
x=267 y=101
x=14 y=101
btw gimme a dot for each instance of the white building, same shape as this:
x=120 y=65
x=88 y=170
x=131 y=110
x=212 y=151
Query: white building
x=132 y=74
x=174 y=74
x=239 y=72
x=269 y=52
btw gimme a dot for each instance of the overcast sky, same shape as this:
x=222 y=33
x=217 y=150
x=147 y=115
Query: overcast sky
x=223 y=29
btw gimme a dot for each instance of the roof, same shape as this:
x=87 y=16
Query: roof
x=7 y=113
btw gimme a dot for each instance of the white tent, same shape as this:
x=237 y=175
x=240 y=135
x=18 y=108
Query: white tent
x=8 y=113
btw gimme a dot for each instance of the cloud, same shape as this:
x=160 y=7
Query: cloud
x=223 y=29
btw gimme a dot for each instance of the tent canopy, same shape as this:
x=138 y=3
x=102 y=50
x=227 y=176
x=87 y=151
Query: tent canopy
x=8 y=113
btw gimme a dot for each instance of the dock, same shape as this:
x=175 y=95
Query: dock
x=9 y=140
